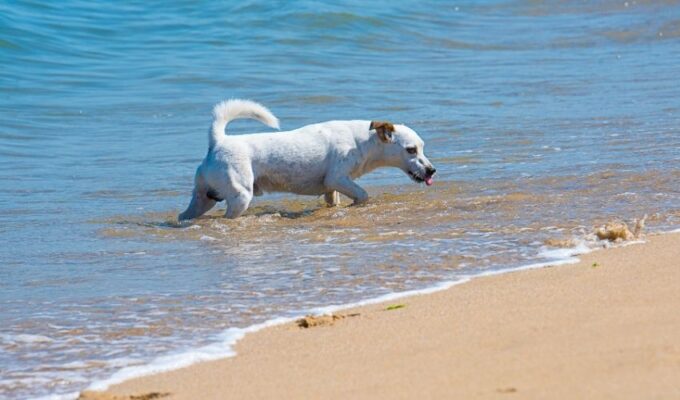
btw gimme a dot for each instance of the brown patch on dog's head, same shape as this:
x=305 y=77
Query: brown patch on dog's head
x=384 y=130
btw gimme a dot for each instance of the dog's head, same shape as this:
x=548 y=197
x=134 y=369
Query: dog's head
x=404 y=149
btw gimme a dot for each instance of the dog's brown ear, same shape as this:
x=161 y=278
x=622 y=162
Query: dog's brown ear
x=384 y=130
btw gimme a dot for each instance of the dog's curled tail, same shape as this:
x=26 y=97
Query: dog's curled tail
x=230 y=110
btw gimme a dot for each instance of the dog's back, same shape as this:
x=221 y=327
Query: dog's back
x=296 y=161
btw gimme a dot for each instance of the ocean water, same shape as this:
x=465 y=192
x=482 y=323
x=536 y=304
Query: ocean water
x=543 y=118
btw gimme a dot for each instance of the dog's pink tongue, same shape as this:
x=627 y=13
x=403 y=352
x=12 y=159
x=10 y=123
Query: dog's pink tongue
x=428 y=181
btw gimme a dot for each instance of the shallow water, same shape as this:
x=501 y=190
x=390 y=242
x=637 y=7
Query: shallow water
x=544 y=119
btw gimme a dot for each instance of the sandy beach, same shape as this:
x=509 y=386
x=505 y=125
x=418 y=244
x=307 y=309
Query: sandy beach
x=606 y=327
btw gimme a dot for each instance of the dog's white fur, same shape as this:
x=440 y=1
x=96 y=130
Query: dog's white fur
x=318 y=159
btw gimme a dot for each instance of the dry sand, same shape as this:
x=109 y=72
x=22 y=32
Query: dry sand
x=605 y=328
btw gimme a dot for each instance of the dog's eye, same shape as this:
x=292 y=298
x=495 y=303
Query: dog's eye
x=411 y=150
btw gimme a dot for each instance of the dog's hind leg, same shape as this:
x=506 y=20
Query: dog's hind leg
x=199 y=205
x=238 y=203
x=332 y=198
x=239 y=186
x=203 y=198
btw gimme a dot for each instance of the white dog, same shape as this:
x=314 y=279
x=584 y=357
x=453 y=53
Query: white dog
x=319 y=159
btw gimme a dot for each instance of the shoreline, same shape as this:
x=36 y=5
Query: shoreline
x=224 y=348
x=121 y=384
x=231 y=336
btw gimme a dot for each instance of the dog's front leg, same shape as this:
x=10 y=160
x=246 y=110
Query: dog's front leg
x=332 y=198
x=238 y=203
x=350 y=189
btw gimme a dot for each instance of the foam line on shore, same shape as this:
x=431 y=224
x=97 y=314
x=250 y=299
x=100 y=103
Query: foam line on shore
x=224 y=346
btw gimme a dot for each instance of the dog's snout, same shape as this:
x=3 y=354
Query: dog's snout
x=430 y=170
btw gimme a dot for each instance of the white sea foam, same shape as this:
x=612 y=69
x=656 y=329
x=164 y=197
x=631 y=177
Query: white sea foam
x=25 y=338
x=565 y=253
x=64 y=396
x=223 y=348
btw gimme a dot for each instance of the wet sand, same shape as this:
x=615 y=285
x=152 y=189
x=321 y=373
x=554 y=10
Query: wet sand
x=607 y=327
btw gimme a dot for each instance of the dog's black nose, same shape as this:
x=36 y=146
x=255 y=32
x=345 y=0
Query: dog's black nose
x=430 y=170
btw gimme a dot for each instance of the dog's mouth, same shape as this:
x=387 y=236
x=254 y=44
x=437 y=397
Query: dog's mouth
x=417 y=178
